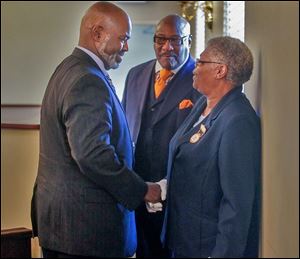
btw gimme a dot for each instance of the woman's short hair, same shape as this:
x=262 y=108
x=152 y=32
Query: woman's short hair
x=235 y=54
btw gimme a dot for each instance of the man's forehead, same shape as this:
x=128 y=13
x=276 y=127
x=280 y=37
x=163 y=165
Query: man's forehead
x=172 y=28
x=169 y=30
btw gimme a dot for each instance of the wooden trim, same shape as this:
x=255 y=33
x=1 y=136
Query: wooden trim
x=19 y=126
x=20 y=105
x=16 y=231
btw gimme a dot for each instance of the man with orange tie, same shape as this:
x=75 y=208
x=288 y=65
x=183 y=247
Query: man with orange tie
x=157 y=98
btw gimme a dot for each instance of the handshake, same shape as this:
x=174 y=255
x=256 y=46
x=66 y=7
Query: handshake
x=156 y=193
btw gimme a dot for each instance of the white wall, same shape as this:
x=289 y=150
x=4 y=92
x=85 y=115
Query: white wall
x=150 y=11
x=37 y=35
x=272 y=33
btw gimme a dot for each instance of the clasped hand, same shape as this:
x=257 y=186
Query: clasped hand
x=153 y=202
x=154 y=192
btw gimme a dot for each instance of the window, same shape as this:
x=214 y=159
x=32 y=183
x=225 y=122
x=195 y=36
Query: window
x=234 y=19
x=199 y=40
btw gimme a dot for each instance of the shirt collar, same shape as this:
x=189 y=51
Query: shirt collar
x=98 y=61
x=158 y=67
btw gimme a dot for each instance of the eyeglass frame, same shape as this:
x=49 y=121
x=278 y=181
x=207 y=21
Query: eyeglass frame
x=171 y=40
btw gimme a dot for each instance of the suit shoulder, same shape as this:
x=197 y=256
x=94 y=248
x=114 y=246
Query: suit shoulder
x=141 y=67
x=71 y=65
x=78 y=68
x=73 y=74
x=240 y=110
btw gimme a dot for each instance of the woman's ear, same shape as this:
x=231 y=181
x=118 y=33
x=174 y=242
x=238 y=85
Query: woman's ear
x=222 y=70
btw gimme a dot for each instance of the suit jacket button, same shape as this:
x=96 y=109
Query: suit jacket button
x=152 y=109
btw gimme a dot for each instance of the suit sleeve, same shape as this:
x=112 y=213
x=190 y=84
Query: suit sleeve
x=88 y=115
x=239 y=157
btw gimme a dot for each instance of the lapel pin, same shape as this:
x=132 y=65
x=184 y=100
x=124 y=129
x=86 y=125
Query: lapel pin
x=195 y=138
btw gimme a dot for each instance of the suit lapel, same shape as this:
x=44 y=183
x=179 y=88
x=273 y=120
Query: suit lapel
x=187 y=131
x=95 y=69
x=142 y=86
x=178 y=89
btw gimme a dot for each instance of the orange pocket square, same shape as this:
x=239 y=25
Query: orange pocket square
x=186 y=103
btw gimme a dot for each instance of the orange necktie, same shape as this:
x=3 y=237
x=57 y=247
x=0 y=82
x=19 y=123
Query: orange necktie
x=160 y=83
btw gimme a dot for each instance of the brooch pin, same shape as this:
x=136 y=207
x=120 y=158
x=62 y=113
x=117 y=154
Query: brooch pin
x=195 y=138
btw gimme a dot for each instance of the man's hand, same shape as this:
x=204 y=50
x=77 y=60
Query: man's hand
x=154 y=193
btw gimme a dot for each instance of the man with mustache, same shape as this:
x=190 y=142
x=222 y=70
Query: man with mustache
x=86 y=190
x=157 y=98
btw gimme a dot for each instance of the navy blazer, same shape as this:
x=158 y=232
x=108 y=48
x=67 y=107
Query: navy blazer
x=85 y=188
x=213 y=185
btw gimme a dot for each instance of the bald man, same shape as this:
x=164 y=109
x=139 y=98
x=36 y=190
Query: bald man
x=85 y=191
x=158 y=97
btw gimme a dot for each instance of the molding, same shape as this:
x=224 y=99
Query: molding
x=20 y=126
x=20 y=105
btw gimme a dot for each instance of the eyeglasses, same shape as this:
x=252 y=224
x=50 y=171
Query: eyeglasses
x=198 y=61
x=174 y=41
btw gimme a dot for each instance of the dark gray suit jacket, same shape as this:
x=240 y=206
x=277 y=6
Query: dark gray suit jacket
x=85 y=186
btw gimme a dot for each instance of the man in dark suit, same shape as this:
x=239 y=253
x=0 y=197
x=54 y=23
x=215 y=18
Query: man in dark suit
x=157 y=98
x=86 y=190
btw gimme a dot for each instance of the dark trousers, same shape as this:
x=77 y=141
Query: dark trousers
x=54 y=254
x=149 y=227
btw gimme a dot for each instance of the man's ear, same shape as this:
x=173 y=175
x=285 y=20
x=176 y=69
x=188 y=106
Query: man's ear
x=222 y=70
x=97 y=32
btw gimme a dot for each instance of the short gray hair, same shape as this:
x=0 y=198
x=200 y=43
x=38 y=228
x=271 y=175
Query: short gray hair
x=235 y=54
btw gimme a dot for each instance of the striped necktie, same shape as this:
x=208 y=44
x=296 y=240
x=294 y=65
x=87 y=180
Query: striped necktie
x=110 y=81
x=161 y=81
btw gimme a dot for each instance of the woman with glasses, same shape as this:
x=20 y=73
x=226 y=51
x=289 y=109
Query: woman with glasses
x=214 y=162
